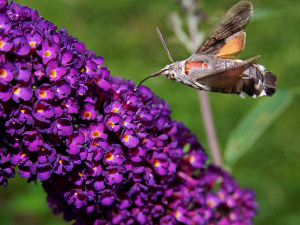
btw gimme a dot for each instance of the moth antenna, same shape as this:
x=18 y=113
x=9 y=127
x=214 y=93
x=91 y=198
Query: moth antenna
x=142 y=81
x=154 y=74
x=163 y=43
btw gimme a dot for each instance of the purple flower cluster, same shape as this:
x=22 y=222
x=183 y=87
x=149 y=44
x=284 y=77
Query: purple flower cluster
x=102 y=157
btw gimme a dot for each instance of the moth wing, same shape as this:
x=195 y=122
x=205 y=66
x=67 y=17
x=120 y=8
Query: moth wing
x=228 y=38
x=225 y=79
x=233 y=45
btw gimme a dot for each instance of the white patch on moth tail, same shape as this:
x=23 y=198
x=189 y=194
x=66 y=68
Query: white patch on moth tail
x=257 y=86
x=242 y=95
x=261 y=67
x=263 y=93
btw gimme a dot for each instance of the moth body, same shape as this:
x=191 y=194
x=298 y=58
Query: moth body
x=211 y=73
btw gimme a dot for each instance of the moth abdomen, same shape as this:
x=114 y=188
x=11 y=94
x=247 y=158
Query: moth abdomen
x=257 y=82
x=269 y=83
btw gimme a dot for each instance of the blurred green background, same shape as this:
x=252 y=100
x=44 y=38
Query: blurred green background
x=123 y=32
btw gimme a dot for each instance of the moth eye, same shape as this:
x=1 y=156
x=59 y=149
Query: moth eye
x=172 y=75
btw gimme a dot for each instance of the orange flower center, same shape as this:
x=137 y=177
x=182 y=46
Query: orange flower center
x=191 y=159
x=125 y=137
x=32 y=44
x=16 y=90
x=96 y=134
x=39 y=108
x=87 y=115
x=47 y=53
x=109 y=156
x=42 y=93
x=2 y=73
x=52 y=73
x=110 y=124
x=156 y=163
x=111 y=171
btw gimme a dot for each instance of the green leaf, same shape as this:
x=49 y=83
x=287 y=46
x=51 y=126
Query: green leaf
x=186 y=148
x=254 y=125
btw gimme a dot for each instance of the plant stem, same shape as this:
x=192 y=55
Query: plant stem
x=210 y=128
